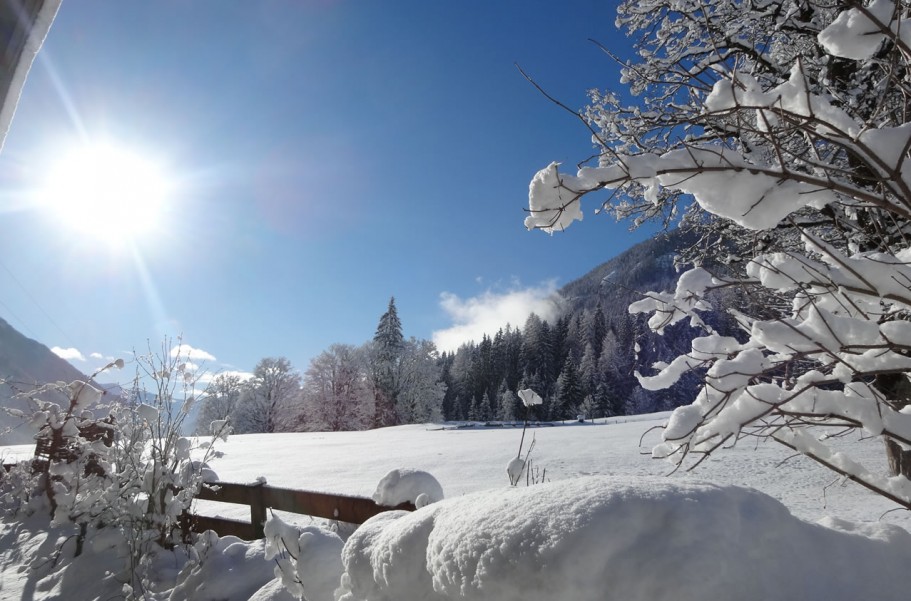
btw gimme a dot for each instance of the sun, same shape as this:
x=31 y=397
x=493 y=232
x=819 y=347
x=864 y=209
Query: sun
x=106 y=190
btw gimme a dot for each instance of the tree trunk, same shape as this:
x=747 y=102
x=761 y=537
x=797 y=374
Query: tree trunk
x=897 y=389
x=899 y=458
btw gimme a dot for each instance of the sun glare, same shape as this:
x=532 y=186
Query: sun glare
x=106 y=191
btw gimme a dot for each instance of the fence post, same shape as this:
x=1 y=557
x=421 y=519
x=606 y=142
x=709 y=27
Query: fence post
x=258 y=509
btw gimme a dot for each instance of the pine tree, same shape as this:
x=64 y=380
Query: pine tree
x=588 y=369
x=507 y=404
x=388 y=346
x=474 y=411
x=596 y=328
x=389 y=338
x=484 y=409
x=569 y=393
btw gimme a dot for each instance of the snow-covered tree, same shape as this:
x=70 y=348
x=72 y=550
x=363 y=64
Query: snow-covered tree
x=569 y=392
x=336 y=391
x=219 y=401
x=406 y=375
x=595 y=327
x=421 y=390
x=388 y=345
x=588 y=369
x=507 y=404
x=271 y=399
x=787 y=122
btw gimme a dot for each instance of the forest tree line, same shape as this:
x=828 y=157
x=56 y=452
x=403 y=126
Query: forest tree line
x=582 y=364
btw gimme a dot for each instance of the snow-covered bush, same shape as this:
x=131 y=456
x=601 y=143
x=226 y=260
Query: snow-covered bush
x=518 y=465
x=787 y=123
x=130 y=488
x=308 y=560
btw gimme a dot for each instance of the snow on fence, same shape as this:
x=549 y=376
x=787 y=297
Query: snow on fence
x=260 y=496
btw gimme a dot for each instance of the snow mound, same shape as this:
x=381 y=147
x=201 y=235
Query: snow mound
x=630 y=539
x=227 y=568
x=308 y=560
x=514 y=470
x=403 y=485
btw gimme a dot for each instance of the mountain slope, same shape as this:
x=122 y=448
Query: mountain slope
x=647 y=266
x=25 y=363
x=629 y=345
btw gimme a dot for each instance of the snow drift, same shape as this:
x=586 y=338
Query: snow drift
x=635 y=539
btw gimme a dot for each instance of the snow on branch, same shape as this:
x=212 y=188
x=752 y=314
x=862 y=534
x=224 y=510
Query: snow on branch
x=789 y=120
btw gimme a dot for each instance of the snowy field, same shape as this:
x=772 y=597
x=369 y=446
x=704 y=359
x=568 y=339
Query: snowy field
x=640 y=523
x=469 y=460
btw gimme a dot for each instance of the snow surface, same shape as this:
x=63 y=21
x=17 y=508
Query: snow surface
x=572 y=511
x=635 y=539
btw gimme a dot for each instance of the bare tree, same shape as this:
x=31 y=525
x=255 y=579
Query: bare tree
x=219 y=401
x=336 y=391
x=270 y=401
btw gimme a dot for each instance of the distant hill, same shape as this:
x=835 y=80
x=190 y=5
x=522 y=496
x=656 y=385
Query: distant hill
x=25 y=363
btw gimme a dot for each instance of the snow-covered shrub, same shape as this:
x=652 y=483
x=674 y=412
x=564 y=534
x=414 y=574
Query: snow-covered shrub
x=128 y=489
x=787 y=123
x=308 y=560
x=519 y=465
x=220 y=568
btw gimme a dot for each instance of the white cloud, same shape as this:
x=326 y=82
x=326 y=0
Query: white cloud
x=210 y=375
x=96 y=356
x=69 y=354
x=488 y=312
x=188 y=352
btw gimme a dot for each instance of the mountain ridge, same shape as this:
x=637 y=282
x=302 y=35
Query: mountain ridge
x=24 y=365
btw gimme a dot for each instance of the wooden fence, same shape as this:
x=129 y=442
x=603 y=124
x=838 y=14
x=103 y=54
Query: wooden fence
x=259 y=497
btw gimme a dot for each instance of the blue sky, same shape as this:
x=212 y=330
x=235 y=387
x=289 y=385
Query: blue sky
x=323 y=156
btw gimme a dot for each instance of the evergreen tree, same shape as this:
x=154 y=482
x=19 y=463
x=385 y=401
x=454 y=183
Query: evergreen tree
x=574 y=343
x=507 y=404
x=559 y=346
x=448 y=405
x=588 y=370
x=389 y=338
x=484 y=369
x=512 y=371
x=474 y=411
x=569 y=393
x=596 y=327
x=461 y=381
x=537 y=354
x=484 y=411
x=388 y=346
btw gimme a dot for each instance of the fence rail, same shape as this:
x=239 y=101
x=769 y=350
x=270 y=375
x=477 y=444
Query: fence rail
x=259 y=497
